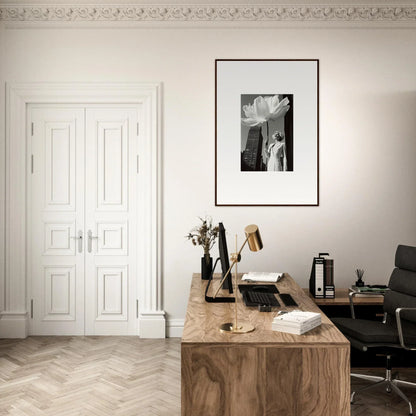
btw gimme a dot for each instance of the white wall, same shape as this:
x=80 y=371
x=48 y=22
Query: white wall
x=367 y=135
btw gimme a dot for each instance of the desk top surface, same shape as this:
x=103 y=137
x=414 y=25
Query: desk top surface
x=203 y=319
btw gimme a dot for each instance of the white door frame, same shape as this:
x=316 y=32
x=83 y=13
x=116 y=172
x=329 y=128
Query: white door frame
x=14 y=317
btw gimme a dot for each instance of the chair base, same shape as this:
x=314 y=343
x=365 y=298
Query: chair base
x=390 y=384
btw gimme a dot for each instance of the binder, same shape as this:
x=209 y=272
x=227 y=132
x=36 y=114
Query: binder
x=329 y=279
x=321 y=281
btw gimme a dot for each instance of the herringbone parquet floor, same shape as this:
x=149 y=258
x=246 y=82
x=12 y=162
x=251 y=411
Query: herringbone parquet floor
x=94 y=376
x=118 y=376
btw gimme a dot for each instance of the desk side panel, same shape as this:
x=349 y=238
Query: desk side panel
x=248 y=380
x=307 y=381
x=326 y=381
x=218 y=380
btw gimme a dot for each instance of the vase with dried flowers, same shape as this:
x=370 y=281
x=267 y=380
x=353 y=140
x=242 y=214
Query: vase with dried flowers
x=204 y=235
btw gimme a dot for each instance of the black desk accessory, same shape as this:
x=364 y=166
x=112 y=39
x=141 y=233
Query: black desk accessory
x=254 y=298
x=360 y=281
x=225 y=265
x=287 y=299
x=266 y=288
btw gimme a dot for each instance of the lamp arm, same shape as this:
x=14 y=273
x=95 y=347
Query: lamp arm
x=230 y=268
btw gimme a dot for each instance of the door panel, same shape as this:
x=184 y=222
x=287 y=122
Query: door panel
x=56 y=267
x=112 y=289
x=112 y=164
x=58 y=239
x=112 y=238
x=60 y=293
x=111 y=221
x=60 y=166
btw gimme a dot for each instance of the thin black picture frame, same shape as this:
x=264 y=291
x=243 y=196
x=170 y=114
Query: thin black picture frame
x=220 y=203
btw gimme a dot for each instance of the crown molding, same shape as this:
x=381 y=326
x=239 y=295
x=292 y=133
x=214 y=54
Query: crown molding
x=207 y=13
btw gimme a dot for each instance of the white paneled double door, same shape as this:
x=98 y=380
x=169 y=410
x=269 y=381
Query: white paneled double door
x=83 y=219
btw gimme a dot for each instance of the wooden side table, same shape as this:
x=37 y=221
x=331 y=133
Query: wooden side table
x=366 y=307
x=341 y=298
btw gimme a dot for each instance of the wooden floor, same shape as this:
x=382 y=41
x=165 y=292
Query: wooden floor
x=119 y=376
x=97 y=376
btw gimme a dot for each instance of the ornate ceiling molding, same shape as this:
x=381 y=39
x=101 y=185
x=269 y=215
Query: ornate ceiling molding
x=206 y=13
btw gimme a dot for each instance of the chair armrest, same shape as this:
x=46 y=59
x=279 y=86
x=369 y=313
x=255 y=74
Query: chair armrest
x=400 y=329
x=354 y=293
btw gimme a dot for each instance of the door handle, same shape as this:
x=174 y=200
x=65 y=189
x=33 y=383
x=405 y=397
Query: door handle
x=90 y=238
x=79 y=238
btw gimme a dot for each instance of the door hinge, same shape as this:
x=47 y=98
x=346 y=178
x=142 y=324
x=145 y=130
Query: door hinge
x=137 y=308
x=31 y=163
x=137 y=132
x=32 y=129
x=31 y=308
x=137 y=163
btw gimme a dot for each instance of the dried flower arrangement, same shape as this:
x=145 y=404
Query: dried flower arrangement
x=204 y=235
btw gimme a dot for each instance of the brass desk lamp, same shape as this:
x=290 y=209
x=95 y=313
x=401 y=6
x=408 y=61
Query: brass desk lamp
x=253 y=239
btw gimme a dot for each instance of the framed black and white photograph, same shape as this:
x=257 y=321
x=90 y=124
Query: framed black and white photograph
x=266 y=138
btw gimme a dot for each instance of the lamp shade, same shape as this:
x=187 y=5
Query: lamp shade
x=254 y=238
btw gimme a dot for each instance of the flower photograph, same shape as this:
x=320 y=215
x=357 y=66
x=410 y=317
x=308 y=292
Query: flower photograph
x=267 y=132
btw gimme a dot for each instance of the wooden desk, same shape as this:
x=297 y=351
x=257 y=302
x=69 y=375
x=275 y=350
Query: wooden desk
x=264 y=372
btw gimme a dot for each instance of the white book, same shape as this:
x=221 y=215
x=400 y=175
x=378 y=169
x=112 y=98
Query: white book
x=296 y=322
x=262 y=277
x=296 y=331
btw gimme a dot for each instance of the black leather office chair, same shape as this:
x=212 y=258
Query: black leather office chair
x=397 y=331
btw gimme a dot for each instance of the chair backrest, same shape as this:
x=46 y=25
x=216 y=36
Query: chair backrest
x=402 y=284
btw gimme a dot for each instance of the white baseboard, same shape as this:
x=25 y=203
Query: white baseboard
x=152 y=324
x=175 y=328
x=13 y=325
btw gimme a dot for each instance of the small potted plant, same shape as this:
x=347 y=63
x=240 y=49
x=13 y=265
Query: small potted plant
x=204 y=235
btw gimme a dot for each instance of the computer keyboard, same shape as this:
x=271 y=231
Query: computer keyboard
x=252 y=298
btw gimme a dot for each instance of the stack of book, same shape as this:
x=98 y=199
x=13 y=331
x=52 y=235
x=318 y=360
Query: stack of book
x=296 y=322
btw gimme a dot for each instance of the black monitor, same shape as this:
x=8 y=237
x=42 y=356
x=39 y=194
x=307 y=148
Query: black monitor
x=225 y=262
x=225 y=265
